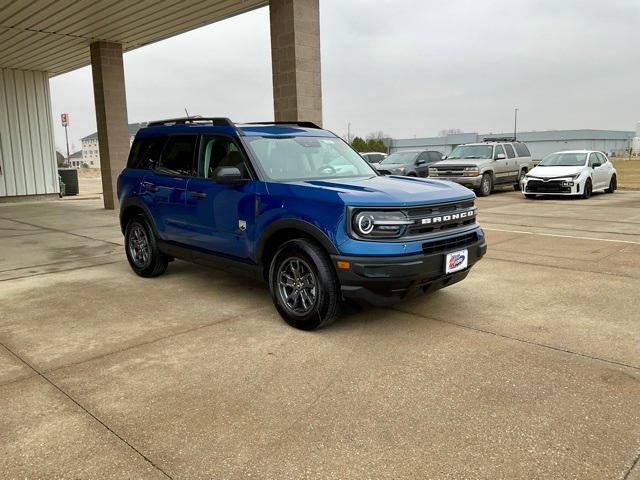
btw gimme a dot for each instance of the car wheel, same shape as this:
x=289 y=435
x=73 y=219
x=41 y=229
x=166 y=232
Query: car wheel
x=142 y=249
x=588 y=189
x=529 y=196
x=304 y=286
x=516 y=186
x=613 y=184
x=486 y=185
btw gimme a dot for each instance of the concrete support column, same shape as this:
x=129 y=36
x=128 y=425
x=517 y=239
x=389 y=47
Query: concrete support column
x=295 y=58
x=111 y=115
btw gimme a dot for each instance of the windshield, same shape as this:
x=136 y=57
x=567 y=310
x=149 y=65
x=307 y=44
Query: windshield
x=400 y=157
x=472 y=151
x=307 y=158
x=564 y=160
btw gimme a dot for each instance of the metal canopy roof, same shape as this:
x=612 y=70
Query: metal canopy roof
x=54 y=35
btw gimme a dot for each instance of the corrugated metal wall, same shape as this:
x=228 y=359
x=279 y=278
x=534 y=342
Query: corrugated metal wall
x=27 y=152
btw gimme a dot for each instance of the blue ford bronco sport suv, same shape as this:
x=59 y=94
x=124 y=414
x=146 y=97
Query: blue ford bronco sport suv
x=296 y=206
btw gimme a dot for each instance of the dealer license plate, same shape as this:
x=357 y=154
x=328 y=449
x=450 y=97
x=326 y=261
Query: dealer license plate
x=456 y=261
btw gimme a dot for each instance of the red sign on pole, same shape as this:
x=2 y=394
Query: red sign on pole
x=65 y=119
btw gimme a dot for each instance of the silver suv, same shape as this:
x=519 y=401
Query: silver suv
x=481 y=166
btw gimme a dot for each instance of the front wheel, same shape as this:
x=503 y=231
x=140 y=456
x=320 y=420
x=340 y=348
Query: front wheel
x=588 y=189
x=613 y=184
x=486 y=185
x=304 y=286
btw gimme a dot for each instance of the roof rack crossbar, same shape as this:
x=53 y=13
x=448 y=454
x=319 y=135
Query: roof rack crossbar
x=217 y=121
x=303 y=124
x=499 y=139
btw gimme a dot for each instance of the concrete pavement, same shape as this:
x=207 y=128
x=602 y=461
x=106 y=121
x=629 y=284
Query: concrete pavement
x=530 y=368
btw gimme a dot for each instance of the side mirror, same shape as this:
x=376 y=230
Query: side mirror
x=500 y=156
x=229 y=176
x=444 y=157
x=421 y=162
x=596 y=165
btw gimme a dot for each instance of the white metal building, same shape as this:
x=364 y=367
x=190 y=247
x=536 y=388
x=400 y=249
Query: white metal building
x=539 y=143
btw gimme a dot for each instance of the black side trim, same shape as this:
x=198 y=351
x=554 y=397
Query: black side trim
x=210 y=259
x=296 y=224
x=136 y=202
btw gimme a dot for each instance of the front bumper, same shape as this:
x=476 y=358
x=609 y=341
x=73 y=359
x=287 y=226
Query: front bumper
x=553 y=187
x=386 y=280
x=470 y=182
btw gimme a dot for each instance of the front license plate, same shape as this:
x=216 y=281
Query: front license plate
x=456 y=261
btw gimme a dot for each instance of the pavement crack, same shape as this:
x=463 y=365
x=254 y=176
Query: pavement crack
x=84 y=409
x=518 y=339
x=633 y=469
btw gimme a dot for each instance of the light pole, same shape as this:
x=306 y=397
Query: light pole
x=515 y=123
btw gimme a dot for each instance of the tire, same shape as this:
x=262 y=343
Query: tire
x=588 y=189
x=304 y=286
x=613 y=184
x=486 y=185
x=530 y=196
x=142 y=250
x=516 y=186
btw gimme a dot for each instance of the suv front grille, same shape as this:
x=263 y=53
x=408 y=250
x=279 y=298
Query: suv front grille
x=446 y=171
x=450 y=244
x=440 y=218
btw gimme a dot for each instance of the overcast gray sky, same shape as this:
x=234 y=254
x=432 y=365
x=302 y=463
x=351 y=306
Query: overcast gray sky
x=406 y=67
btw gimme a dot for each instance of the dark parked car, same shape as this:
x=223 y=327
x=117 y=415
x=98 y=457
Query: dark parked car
x=412 y=163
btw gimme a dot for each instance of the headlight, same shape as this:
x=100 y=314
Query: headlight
x=574 y=176
x=380 y=224
x=471 y=172
x=400 y=170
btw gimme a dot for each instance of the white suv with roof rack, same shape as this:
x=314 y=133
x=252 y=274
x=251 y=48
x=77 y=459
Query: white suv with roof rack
x=482 y=166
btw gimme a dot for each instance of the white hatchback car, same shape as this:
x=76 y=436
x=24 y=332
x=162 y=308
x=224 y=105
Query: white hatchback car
x=574 y=172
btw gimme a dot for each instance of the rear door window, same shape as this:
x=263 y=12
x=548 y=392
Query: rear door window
x=178 y=156
x=509 y=149
x=145 y=152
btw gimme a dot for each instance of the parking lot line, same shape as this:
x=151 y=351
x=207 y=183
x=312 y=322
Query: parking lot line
x=562 y=236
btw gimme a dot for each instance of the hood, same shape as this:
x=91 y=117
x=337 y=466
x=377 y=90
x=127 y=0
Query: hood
x=552 y=172
x=459 y=162
x=381 y=191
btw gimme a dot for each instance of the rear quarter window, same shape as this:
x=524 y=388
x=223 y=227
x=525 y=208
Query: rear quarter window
x=145 y=152
x=522 y=150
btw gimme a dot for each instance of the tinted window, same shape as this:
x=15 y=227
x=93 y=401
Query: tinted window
x=602 y=158
x=499 y=150
x=177 y=156
x=509 y=149
x=593 y=158
x=434 y=157
x=218 y=151
x=522 y=150
x=145 y=152
x=424 y=156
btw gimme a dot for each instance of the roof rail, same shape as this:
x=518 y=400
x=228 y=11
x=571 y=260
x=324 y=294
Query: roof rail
x=217 y=121
x=499 y=139
x=303 y=124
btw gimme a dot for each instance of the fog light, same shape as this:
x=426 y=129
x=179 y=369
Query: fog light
x=567 y=184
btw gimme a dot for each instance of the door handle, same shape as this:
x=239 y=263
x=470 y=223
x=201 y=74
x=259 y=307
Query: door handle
x=198 y=195
x=149 y=187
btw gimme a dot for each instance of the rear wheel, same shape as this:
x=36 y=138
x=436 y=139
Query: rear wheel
x=588 y=189
x=613 y=184
x=486 y=185
x=142 y=249
x=304 y=286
